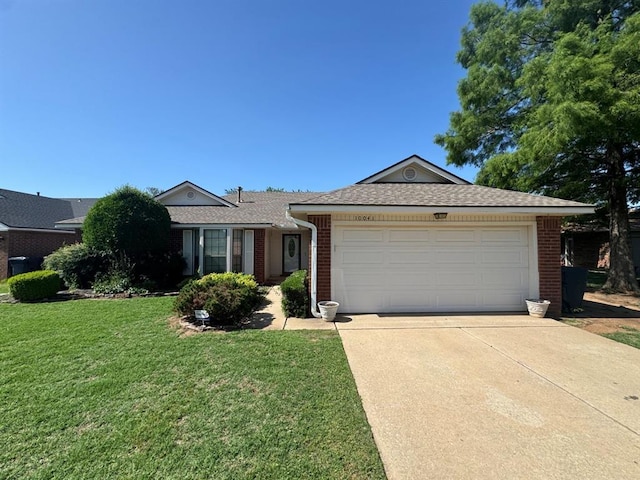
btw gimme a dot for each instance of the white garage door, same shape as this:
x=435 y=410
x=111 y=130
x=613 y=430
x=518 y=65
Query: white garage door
x=433 y=269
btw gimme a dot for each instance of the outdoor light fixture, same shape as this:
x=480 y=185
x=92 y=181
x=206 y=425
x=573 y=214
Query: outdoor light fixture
x=440 y=215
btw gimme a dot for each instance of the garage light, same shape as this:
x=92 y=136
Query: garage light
x=440 y=215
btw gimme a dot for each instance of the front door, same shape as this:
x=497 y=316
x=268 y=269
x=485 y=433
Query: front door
x=290 y=253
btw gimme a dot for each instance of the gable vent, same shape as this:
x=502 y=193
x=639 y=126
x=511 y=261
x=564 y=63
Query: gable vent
x=191 y=195
x=409 y=174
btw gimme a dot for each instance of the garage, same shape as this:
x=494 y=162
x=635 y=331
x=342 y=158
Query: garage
x=433 y=269
x=414 y=237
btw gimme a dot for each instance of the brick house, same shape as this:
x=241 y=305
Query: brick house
x=410 y=238
x=587 y=244
x=27 y=225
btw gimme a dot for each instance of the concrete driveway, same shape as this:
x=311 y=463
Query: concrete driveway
x=496 y=397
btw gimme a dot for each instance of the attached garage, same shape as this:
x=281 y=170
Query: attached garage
x=416 y=238
x=433 y=269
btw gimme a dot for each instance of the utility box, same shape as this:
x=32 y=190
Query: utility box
x=18 y=265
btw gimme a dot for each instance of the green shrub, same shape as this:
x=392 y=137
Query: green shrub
x=295 y=295
x=228 y=297
x=129 y=223
x=32 y=286
x=77 y=264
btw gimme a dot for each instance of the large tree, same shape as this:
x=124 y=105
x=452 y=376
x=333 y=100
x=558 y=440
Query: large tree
x=551 y=104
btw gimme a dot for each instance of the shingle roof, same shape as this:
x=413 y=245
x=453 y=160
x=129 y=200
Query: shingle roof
x=23 y=210
x=256 y=208
x=268 y=208
x=433 y=195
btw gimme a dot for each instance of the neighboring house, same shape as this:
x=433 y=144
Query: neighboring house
x=416 y=238
x=587 y=244
x=410 y=238
x=243 y=232
x=27 y=225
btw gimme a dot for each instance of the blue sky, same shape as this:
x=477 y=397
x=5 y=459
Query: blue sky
x=284 y=93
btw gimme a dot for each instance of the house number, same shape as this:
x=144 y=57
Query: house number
x=364 y=218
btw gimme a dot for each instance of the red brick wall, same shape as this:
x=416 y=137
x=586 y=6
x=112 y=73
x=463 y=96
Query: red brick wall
x=323 y=223
x=258 y=255
x=549 y=263
x=16 y=243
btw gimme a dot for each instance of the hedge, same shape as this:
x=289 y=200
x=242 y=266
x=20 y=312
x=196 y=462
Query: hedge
x=32 y=286
x=295 y=295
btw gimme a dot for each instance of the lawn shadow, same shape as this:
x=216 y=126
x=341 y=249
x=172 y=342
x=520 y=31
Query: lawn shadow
x=603 y=310
x=258 y=320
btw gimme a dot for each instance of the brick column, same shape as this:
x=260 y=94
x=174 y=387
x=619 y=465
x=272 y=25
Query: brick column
x=323 y=224
x=549 y=270
x=258 y=255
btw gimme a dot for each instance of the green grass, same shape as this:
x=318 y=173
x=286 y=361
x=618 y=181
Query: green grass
x=597 y=278
x=630 y=336
x=106 y=389
x=4 y=287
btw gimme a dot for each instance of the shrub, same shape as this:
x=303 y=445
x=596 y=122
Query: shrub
x=32 y=286
x=77 y=264
x=295 y=295
x=228 y=297
x=128 y=222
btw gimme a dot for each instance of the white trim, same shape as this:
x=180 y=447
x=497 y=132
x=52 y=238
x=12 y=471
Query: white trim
x=179 y=226
x=201 y=252
x=420 y=161
x=3 y=227
x=198 y=189
x=248 y=251
x=229 y=258
x=538 y=211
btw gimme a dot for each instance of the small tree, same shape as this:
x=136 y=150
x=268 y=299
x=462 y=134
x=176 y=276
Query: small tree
x=128 y=223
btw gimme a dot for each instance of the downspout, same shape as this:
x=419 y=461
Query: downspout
x=314 y=261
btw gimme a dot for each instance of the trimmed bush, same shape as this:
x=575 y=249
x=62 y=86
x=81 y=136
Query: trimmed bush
x=27 y=287
x=128 y=222
x=77 y=264
x=295 y=295
x=228 y=297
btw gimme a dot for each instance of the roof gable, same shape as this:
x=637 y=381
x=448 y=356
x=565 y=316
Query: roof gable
x=414 y=169
x=188 y=193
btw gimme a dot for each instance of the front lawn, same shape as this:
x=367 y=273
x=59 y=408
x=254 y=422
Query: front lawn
x=4 y=286
x=106 y=389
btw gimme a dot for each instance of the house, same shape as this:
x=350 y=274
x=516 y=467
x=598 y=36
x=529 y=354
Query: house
x=410 y=238
x=242 y=232
x=587 y=244
x=27 y=225
x=416 y=238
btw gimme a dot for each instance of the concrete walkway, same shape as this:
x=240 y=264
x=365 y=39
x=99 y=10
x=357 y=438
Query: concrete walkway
x=505 y=396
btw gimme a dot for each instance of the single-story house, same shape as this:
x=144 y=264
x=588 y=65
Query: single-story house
x=587 y=244
x=241 y=232
x=410 y=238
x=28 y=225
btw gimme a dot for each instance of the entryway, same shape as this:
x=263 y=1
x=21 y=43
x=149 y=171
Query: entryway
x=290 y=253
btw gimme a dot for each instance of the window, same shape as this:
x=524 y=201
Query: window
x=236 y=258
x=215 y=251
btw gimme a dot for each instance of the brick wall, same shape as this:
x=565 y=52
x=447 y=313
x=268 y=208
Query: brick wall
x=323 y=224
x=258 y=255
x=17 y=243
x=549 y=263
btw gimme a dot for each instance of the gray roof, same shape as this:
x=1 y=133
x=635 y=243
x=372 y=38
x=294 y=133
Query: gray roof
x=264 y=208
x=23 y=210
x=433 y=195
x=256 y=208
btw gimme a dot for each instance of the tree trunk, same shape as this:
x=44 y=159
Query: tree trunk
x=621 y=277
